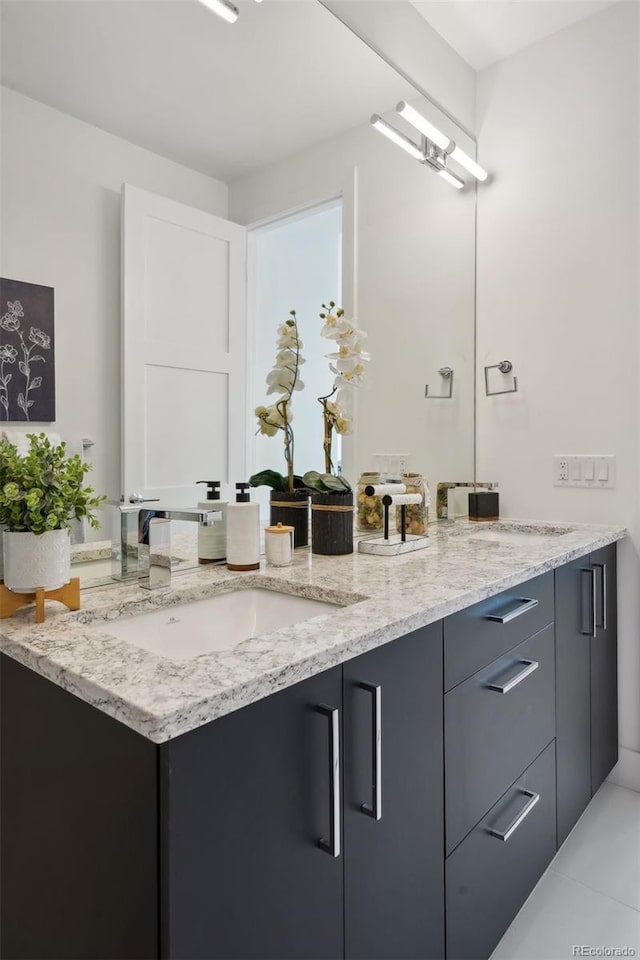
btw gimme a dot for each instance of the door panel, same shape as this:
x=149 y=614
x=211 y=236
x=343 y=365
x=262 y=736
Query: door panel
x=183 y=348
x=604 y=668
x=394 y=866
x=246 y=800
x=573 y=696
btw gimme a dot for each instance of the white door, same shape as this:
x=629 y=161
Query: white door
x=183 y=349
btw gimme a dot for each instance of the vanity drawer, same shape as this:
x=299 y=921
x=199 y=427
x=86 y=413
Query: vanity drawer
x=496 y=723
x=489 y=876
x=476 y=636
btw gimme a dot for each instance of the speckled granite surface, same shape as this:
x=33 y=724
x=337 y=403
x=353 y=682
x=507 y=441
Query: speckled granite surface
x=382 y=598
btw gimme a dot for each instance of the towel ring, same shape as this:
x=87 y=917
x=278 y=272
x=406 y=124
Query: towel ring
x=505 y=366
x=447 y=374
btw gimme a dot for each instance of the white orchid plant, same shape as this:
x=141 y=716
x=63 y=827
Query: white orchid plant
x=347 y=365
x=284 y=379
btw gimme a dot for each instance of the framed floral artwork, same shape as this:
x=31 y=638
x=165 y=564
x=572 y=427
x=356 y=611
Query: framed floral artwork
x=27 y=356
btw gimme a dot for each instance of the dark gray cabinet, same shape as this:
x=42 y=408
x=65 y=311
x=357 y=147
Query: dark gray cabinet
x=258 y=835
x=393 y=801
x=586 y=681
x=604 y=667
x=310 y=824
x=496 y=723
x=492 y=872
x=245 y=800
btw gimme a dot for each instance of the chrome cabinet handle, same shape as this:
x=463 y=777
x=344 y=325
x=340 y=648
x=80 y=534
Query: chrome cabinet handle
x=515 y=823
x=524 y=605
x=332 y=846
x=602 y=567
x=374 y=809
x=592 y=632
x=529 y=667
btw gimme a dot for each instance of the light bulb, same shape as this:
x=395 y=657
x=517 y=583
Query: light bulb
x=396 y=137
x=470 y=165
x=440 y=139
x=451 y=178
x=422 y=124
x=224 y=9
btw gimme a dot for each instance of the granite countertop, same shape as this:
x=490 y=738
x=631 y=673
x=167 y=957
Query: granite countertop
x=381 y=598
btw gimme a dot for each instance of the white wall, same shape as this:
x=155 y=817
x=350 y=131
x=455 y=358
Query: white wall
x=293 y=265
x=403 y=37
x=414 y=289
x=60 y=226
x=557 y=286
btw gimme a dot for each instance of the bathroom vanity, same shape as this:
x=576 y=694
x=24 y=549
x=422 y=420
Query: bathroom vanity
x=389 y=779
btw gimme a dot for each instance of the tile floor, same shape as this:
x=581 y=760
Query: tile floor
x=590 y=895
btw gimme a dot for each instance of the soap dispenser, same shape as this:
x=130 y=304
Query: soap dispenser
x=243 y=531
x=212 y=541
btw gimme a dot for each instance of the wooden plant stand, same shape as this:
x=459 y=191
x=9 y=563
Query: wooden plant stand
x=69 y=594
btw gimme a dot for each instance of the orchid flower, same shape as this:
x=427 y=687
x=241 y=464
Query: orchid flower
x=283 y=380
x=347 y=365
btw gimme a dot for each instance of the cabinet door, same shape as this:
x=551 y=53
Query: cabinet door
x=393 y=803
x=574 y=621
x=604 y=668
x=247 y=799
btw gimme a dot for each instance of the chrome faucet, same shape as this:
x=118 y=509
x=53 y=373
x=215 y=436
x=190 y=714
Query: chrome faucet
x=154 y=541
x=445 y=508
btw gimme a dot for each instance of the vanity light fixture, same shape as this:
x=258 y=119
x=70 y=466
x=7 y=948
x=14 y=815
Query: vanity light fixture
x=427 y=152
x=441 y=140
x=223 y=9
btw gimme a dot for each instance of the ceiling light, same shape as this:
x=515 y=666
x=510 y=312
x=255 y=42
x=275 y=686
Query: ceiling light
x=223 y=8
x=441 y=140
x=399 y=138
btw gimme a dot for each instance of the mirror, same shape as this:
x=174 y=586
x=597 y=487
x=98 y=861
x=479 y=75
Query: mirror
x=264 y=124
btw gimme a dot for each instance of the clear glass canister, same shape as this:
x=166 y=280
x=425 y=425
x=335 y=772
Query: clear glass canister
x=416 y=513
x=370 y=513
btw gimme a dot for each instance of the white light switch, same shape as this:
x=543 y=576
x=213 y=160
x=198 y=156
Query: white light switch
x=584 y=470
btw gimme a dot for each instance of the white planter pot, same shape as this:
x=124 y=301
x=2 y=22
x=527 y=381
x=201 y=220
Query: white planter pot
x=36 y=560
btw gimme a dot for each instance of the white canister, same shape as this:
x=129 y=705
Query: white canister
x=278 y=543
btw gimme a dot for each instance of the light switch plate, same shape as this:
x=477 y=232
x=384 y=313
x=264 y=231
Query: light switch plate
x=585 y=470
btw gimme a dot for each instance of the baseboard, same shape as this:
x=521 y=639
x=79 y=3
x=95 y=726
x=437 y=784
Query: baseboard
x=626 y=772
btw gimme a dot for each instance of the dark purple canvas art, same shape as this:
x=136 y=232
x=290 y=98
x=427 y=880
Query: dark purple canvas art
x=27 y=356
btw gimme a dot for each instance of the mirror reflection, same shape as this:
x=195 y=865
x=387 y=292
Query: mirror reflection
x=183 y=183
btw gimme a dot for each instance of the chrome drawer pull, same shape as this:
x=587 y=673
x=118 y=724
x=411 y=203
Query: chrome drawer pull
x=515 y=823
x=374 y=809
x=529 y=667
x=602 y=567
x=524 y=605
x=593 y=628
x=332 y=847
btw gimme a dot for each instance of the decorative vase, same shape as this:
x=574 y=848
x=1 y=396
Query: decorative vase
x=292 y=510
x=34 y=560
x=331 y=523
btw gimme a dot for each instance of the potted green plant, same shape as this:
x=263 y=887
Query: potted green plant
x=40 y=493
x=332 y=496
x=289 y=496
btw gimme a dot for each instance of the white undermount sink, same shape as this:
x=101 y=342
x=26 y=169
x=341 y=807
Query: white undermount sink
x=520 y=533
x=185 y=631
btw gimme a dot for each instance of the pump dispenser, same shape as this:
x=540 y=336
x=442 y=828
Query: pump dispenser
x=243 y=531
x=212 y=541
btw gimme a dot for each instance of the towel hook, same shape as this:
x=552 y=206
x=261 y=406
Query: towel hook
x=447 y=374
x=505 y=366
